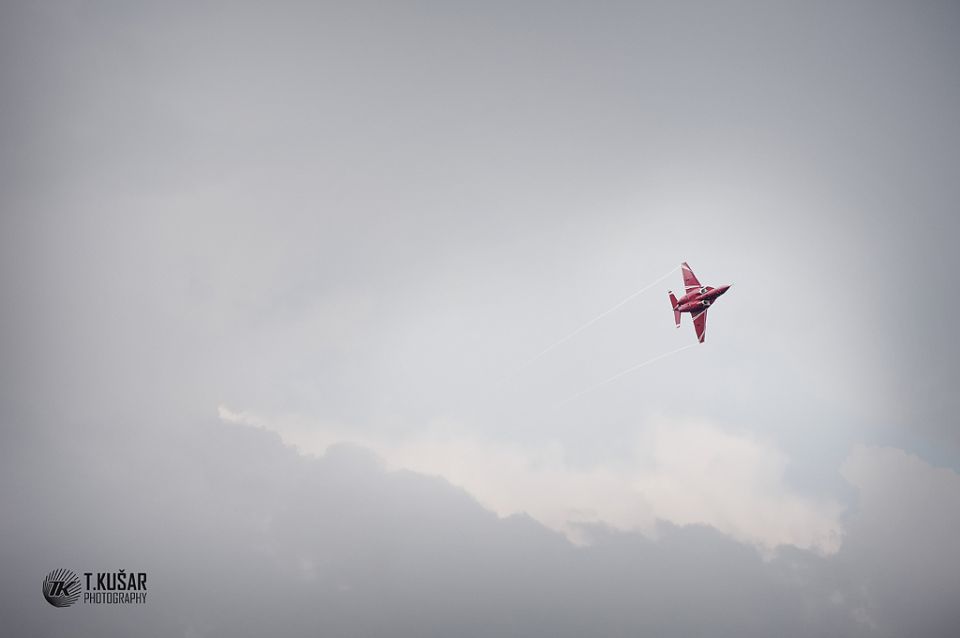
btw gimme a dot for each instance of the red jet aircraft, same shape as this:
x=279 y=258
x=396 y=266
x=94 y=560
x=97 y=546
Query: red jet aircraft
x=696 y=300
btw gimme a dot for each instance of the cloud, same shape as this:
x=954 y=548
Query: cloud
x=904 y=538
x=684 y=473
x=242 y=536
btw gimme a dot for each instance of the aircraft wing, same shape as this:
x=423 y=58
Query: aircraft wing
x=700 y=325
x=689 y=279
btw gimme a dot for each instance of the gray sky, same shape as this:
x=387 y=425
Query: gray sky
x=234 y=235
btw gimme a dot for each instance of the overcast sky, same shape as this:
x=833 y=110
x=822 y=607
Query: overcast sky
x=275 y=277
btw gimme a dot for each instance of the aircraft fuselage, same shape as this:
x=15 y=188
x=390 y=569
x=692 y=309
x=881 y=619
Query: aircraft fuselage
x=696 y=301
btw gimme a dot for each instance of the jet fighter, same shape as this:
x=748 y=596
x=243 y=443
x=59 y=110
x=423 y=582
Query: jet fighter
x=696 y=300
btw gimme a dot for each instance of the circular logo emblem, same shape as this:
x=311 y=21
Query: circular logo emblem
x=61 y=588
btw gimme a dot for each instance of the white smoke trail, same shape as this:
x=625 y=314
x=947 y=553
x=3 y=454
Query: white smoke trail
x=625 y=372
x=591 y=322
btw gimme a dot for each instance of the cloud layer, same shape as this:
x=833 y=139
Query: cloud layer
x=242 y=536
x=677 y=472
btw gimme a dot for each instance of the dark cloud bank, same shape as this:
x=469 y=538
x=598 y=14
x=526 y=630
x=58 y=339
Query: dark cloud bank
x=242 y=536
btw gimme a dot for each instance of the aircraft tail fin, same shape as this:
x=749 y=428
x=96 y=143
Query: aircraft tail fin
x=673 y=304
